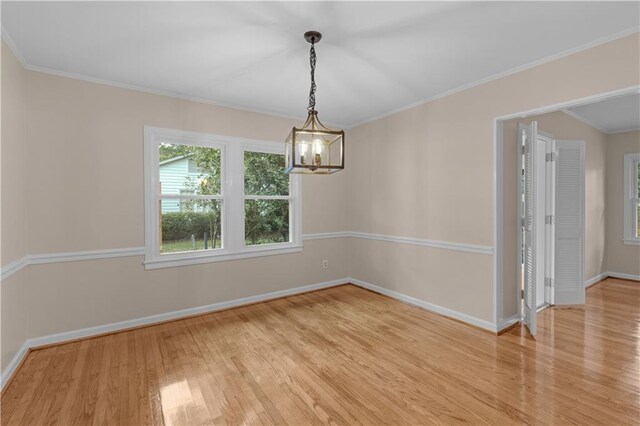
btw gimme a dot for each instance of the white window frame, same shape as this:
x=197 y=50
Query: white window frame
x=630 y=198
x=232 y=197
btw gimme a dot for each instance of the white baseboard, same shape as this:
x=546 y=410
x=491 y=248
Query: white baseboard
x=596 y=279
x=602 y=276
x=487 y=325
x=152 y=319
x=621 y=275
x=13 y=365
x=507 y=322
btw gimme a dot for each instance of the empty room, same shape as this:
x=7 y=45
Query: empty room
x=291 y=213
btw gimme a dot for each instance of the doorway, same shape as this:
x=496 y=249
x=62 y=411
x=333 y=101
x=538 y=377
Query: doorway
x=551 y=229
x=542 y=184
x=591 y=135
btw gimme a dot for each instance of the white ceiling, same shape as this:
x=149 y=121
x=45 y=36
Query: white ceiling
x=615 y=115
x=374 y=58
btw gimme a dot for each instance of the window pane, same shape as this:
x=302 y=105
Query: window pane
x=264 y=174
x=195 y=226
x=189 y=169
x=266 y=221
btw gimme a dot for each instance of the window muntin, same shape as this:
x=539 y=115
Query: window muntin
x=632 y=198
x=214 y=199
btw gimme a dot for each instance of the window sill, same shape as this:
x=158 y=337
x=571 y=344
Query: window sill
x=631 y=242
x=267 y=250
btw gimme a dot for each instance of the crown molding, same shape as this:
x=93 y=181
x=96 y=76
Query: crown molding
x=12 y=47
x=584 y=120
x=547 y=59
x=143 y=89
x=632 y=129
x=511 y=71
x=569 y=104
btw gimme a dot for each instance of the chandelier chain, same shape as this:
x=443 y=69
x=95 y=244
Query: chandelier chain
x=312 y=91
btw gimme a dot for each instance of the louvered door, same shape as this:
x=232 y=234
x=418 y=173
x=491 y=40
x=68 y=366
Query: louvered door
x=529 y=228
x=569 y=223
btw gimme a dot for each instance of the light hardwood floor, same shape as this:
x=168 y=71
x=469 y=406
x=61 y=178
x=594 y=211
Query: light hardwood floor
x=345 y=356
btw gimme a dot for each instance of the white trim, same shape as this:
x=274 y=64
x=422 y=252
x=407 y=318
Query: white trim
x=36 y=259
x=167 y=93
x=591 y=281
x=632 y=129
x=583 y=120
x=36 y=342
x=232 y=197
x=154 y=319
x=630 y=198
x=497 y=172
x=508 y=322
x=12 y=46
x=143 y=89
x=621 y=275
x=265 y=250
x=326 y=235
x=254 y=251
x=498 y=238
x=444 y=94
x=170 y=94
x=13 y=365
x=506 y=73
x=487 y=325
x=446 y=245
x=571 y=103
x=173 y=315
x=13 y=267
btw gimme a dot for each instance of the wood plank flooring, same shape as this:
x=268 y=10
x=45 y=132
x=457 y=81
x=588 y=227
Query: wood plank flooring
x=344 y=356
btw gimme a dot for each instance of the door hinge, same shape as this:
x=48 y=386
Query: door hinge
x=547 y=282
x=549 y=220
x=550 y=157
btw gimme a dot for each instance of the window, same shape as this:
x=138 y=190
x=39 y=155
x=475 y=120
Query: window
x=210 y=198
x=632 y=198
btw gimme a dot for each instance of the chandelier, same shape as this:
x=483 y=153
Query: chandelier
x=314 y=148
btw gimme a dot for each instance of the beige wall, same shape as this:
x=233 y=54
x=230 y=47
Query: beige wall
x=427 y=172
x=623 y=259
x=84 y=191
x=561 y=126
x=86 y=139
x=14 y=241
x=13 y=317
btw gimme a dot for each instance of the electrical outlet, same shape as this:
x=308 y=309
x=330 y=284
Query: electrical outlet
x=325 y=264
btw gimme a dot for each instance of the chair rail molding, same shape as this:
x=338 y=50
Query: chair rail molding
x=44 y=258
